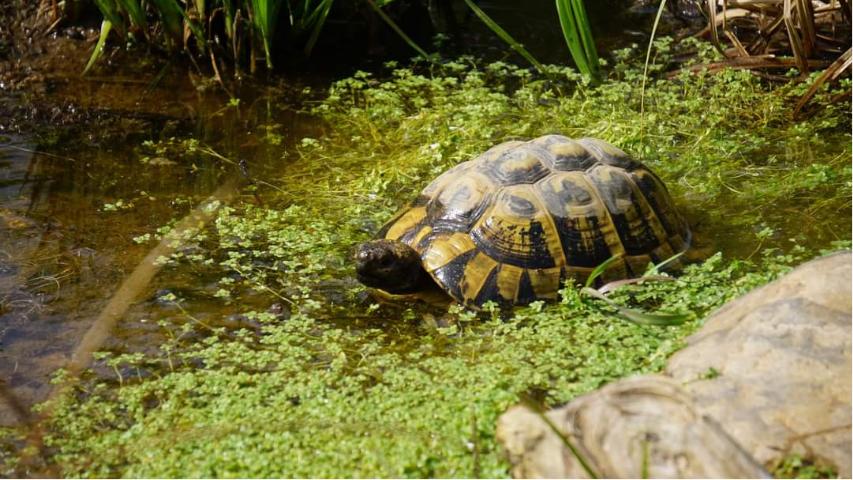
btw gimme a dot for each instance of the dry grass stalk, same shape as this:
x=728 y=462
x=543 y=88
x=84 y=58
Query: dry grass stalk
x=832 y=73
x=807 y=30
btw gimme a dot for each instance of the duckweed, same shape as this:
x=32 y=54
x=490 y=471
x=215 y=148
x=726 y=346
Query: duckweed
x=322 y=381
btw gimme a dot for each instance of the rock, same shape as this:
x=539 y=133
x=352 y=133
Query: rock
x=768 y=375
x=643 y=423
x=782 y=353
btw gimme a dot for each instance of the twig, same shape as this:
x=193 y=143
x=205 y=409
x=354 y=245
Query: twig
x=129 y=290
x=831 y=73
x=764 y=61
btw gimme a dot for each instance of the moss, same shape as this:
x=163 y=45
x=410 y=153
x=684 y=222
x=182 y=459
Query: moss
x=330 y=384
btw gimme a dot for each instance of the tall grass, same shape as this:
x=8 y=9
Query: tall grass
x=264 y=15
x=576 y=31
x=578 y=35
x=506 y=37
x=249 y=28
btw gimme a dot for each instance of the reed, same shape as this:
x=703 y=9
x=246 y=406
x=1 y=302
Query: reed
x=506 y=37
x=264 y=15
x=576 y=30
x=805 y=31
x=578 y=35
x=250 y=28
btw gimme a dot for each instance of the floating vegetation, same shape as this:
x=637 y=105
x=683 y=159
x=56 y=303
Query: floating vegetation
x=320 y=380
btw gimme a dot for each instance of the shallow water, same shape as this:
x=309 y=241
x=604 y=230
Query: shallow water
x=74 y=195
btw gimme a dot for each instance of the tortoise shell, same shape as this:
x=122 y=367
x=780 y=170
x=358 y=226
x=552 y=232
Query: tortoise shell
x=513 y=224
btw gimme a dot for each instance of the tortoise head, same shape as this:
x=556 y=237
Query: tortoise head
x=389 y=265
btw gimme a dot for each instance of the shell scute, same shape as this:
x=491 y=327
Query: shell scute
x=566 y=154
x=609 y=154
x=521 y=164
x=460 y=202
x=517 y=229
x=516 y=222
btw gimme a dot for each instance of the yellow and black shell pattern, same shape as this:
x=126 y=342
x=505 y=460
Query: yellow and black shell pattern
x=513 y=224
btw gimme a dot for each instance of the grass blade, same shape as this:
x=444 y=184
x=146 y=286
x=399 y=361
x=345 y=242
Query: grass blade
x=264 y=14
x=655 y=270
x=582 y=22
x=570 y=33
x=656 y=319
x=578 y=35
x=649 y=55
x=636 y=316
x=135 y=13
x=323 y=12
x=397 y=29
x=228 y=8
x=506 y=37
x=171 y=15
x=106 y=26
x=111 y=14
x=600 y=269
x=534 y=407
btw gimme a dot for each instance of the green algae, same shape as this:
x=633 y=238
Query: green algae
x=329 y=384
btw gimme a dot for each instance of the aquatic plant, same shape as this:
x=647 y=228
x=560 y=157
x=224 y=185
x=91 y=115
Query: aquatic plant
x=576 y=30
x=795 y=466
x=311 y=377
x=248 y=27
x=578 y=35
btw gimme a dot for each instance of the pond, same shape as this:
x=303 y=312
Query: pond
x=100 y=166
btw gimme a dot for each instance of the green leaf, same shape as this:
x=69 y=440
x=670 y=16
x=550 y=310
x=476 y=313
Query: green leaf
x=578 y=35
x=506 y=37
x=655 y=270
x=106 y=26
x=648 y=56
x=600 y=269
x=397 y=29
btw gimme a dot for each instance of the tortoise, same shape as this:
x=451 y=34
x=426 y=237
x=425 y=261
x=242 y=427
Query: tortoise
x=513 y=224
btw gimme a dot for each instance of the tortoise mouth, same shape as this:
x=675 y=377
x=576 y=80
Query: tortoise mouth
x=368 y=280
x=388 y=265
x=381 y=282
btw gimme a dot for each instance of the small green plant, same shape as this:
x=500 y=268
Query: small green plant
x=317 y=379
x=795 y=466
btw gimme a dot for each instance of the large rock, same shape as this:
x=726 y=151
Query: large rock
x=782 y=353
x=768 y=375
x=642 y=427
